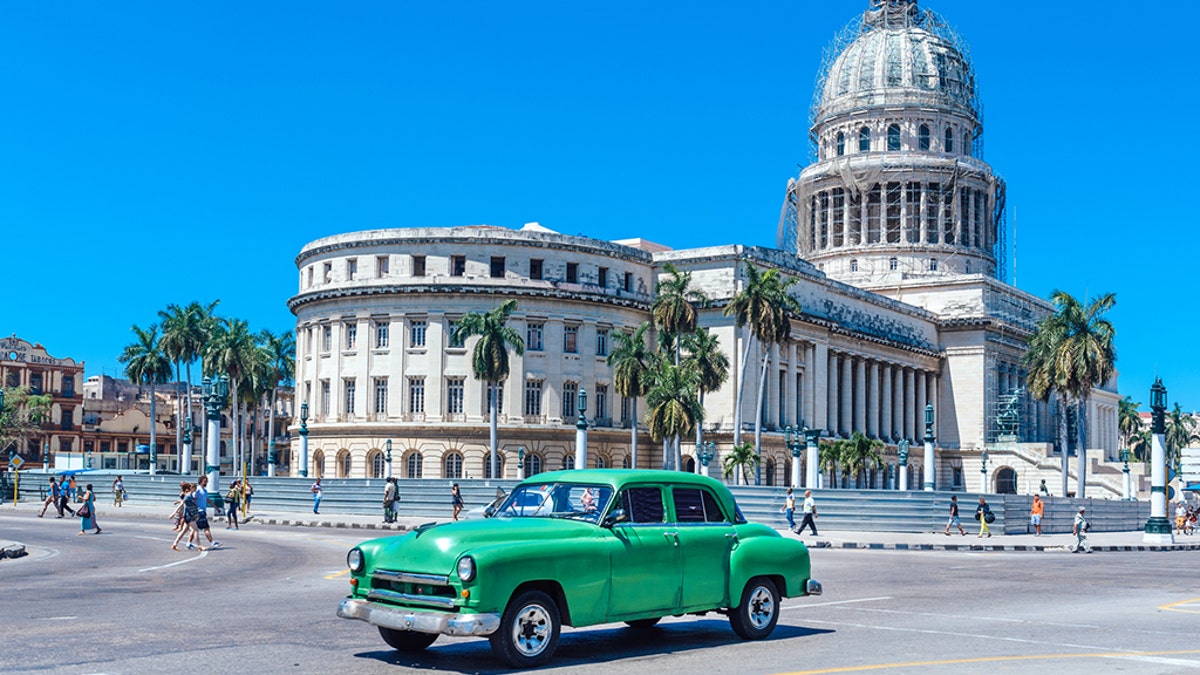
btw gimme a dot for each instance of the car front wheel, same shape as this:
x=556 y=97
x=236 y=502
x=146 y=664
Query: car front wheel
x=529 y=629
x=406 y=640
x=755 y=617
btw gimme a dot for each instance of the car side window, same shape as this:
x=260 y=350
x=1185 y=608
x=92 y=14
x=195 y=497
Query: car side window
x=643 y=504
x=693 y=505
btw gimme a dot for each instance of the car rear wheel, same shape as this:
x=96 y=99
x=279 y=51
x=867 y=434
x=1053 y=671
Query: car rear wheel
x=406 y=640
x=755 y=617
x=529 y=629
x=643 y=624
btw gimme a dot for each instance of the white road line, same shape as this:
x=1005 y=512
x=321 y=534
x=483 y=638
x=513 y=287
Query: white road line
x=177 y=562
x=57 y=618
x=140 y=536
x=1187 y=663
x=972 y=618
x=981 y=636
x=835 y=602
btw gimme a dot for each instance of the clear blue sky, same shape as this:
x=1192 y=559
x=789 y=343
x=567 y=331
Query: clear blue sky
x=157 y=152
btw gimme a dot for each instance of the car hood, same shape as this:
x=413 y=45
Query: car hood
x=436 y=550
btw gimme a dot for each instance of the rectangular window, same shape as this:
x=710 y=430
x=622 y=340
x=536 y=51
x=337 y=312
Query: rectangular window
x=351 y=335
x=350 y=387
x=839 y=210
x=933 y=195
x=893 y=213
x=873 y=204
x=458 y=265
x=948 y=215
x=933 y=265
x=325 y=397
x=912 y=213
x=571 y=339
x=602 y=401
x=572 y=273
x=351 y=268
x=381 y=395
x=310 y=277
x=68 y=386
x=535 y=269
x=822 y=201
x=418 y=266
x=382 y=336
x=381 y=266
x=628 y=285
x=533 y=337
x=602 y=342
x=416 y=394
x=696 y=506
x=326 y=338
x=602 y=280
x=454 y=395
x=569 y=396
x=327 y=272
x=533 y=397
x=454 y=340
x=497 y=267
x=416 y=332
x=66 y=445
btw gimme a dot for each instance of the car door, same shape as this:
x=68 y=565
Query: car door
x=706 y=538
x=646 y=573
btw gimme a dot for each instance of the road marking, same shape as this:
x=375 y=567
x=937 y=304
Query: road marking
x=177 y=562
x=153 y=538
x=1175 y=606
x=1150 y=657
x=338 y=574
x=836 y=602
x=972 y=618
x=982 y=636
x=57 y=618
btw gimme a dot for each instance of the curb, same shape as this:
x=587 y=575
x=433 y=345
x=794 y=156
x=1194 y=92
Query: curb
x=997 y=547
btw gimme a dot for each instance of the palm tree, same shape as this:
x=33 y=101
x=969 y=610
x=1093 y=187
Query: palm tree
x=830 y=455
x=232 y=351
x=1072 y=352
x=489 y=359
x=1178 y=435
x=145 y=363
x=859 y=453
x=280 y=351
x=1128 y=420
x=764 y=303
x=674 y=313
x=1139 y=446
x=739 y=462
x=630 y=363
x=710 y=363
x=672 y=408
x=184 y=333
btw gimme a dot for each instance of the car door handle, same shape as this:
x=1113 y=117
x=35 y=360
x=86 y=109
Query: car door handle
x=673 y=537
x=732 y=536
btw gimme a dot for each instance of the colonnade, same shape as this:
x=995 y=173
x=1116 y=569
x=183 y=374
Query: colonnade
x=879 y=398
x=902 y=213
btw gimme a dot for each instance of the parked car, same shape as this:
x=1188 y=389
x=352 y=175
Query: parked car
x=578 y=548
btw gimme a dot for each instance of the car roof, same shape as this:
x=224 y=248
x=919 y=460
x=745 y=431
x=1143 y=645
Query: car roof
x=617 y=477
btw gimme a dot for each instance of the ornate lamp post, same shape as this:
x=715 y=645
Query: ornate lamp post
x=705 y=453
x=1158 y=528
x=271 y=457
x=812 y=456
x=1127 y=485
x=185 y=457
x=902 y=451
x=215 y=395
x=581 y=426
x=794 y=440
x=929 y=460
x=388 y=457
x=89 y=458
x=983 y=471
x=521 y=463
x=304 y=439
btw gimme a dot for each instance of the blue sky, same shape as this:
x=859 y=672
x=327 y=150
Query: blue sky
x=157 y=152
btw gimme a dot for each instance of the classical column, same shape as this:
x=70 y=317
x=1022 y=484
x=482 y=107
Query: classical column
x=860 y=395
x=924 y=209
x=922 y=396
x=846 y=417
x=818 y=383
x=910 y=398
x=898 y=402
x=873 y=401
x=886 y=401
x=832 y=395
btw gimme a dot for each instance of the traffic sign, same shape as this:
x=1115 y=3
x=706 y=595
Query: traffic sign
x=17 y=462
x=1189 y=465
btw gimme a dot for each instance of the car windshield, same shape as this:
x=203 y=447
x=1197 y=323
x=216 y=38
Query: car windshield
x=556 y=500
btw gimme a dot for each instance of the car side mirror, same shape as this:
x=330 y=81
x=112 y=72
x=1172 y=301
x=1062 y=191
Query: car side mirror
x=489 y=511
x=617 y=516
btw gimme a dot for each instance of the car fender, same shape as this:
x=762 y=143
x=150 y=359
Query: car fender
x=579 y=567
x=758 y=554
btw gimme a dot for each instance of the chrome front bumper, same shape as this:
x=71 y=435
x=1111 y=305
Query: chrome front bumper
x=813 y=587
x=419 y=621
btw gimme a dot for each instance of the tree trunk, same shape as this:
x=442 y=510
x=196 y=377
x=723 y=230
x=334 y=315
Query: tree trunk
x=493 y=410
x=762 y=387
x=186 y=467
x=178 y=419
x=737 y=408
x=699 y=434
x=153 y=433
x=633 y=424
x=1066 y=445
x=1081 y=461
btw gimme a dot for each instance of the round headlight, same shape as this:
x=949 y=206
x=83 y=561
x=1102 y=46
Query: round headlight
x=354 y=560
x=466 y=568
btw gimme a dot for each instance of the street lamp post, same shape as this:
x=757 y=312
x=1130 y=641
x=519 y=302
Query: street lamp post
x=902 y=451
x=521 y=463
x=185 y=457
x=983 y=484
x=304 y=439
x=215 y=395
x=1127 y=485
x=1158 y=528
x=794 y=440
x=929 y=460
x=388 y=457
x=704 y=454
x=812 y=456
x=581 y=426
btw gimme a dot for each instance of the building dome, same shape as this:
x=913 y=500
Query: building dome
x=897 y=55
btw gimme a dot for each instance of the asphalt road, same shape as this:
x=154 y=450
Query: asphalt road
x=123 y=602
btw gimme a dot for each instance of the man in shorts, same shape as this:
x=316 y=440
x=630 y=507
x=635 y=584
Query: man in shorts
x=202 y=506
x=1035 y=515
x=954 y=521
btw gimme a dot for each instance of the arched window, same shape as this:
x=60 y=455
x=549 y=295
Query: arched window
x=568 y=462
x=343 y=464
x=854 y=265
x=770 y=472
x=893 y=138
x=1006 y=481
x=533 y=465
x=689 y=464
x=864 y=139
x=893 y=264
x=625 y=462
x=949 y=139
x=923 y=137
x=841 y=144
x=377 y=464
x=601 y=463
x=933 y=264
x=452 y=465
x=487 y=464
x=318 y=464
x=413 y=465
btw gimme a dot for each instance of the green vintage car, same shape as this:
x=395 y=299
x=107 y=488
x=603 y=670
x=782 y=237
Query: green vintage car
x=578 y=548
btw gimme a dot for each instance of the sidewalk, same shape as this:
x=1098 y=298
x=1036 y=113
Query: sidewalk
x=843 y=539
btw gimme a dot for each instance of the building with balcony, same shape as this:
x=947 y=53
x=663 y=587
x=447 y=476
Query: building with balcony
x=29 y=366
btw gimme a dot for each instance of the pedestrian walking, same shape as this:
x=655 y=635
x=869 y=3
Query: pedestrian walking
x=118 y=489
x=810 y=514
x=201 y=497
x=789 y=509
x=190 y=513
x=983 y=513
x=64 y=497
x=247 y=493
x=1035 y=515
x=389 y=500
x=87 y=511
x=71 y=490
x=51 y=498
x=316 y=493
x=456 y=501
x=954 y=519
x=1180 y=516
x=233 y=500
x=1079 y=529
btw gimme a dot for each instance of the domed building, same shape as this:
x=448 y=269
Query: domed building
x=894 y=235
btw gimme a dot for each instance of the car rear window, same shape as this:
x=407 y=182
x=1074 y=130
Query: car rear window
x=693 y=505
x=643 y=504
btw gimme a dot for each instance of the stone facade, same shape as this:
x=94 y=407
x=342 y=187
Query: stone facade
x=26 y=364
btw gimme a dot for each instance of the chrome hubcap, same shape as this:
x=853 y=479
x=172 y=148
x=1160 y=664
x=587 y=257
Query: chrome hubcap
x=762 y=607
x=531 y=630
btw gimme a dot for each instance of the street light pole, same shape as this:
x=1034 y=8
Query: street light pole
x=793 y=439
x=812 y=456
x=304 y=439
x=929 y=459
x=983 y=484
x=185 y=460
x=521 y=463
x=705 y=454
x=215 y=393
x=581 y=426
x=1158 y=528
x=388 y=457
x=1127 y=484
x=902 y=451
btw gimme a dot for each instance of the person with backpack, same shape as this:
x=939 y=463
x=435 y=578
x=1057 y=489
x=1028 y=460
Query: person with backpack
x=983 y=513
